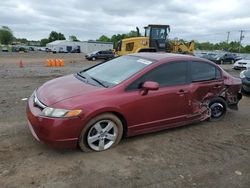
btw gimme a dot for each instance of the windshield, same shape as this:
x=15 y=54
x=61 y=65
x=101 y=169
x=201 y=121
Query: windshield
x=115 y=71
x=219 y=55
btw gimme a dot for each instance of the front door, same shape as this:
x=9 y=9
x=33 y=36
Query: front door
x=164 y=107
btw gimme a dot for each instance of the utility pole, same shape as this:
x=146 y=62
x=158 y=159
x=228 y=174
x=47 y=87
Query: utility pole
x=241 y=38
x=228 y=33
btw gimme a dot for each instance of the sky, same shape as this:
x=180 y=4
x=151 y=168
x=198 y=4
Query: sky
x=203 y=20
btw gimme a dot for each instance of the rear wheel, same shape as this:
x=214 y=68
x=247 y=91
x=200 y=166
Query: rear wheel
x=218 y=109
x=101 y=133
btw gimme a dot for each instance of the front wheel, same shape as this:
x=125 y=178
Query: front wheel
x=218 y=109
x=93 y=58
x=101 y=133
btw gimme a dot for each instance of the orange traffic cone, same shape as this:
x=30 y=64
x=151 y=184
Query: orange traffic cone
x=47 y=62
x=21 y=64
x=53 y=62
x=62 y=63
x=57 y=63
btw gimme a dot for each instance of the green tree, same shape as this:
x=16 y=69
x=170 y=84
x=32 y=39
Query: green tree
x=56 y=36
x=133 y=34
x=21 y=40
x=247 y=49
x=44 y=41
x=104 y=38
x=73 y=38
x=6 y=36
x=204 y=46
x=117 y=37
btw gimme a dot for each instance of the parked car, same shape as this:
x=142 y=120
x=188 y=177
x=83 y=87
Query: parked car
x=105 y=54
x=76 y=50
x=5 y=49
x=225 y=58
x=241 y=64
x=209 y=56
x=245 y=78
x=129 y=95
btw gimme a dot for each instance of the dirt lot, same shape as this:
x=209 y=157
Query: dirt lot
x=208 y=154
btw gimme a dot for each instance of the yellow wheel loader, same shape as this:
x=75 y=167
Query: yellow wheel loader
x=155 y=40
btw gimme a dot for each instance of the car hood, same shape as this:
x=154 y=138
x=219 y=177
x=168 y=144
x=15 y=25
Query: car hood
x=63 y=88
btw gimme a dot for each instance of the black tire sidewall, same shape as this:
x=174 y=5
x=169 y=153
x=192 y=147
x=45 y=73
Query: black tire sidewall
x=221 y=101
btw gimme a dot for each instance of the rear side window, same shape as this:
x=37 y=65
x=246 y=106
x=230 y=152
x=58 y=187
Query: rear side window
x=169 y=74
x=202 y=71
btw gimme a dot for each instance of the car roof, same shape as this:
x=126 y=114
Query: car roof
x=163 y=56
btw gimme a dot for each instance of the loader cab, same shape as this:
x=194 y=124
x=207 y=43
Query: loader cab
x=158 y=36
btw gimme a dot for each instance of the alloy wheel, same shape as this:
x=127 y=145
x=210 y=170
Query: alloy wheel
x=102 y=135
x=217 y=110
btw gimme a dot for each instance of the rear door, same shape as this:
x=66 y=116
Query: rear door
x=206 y=83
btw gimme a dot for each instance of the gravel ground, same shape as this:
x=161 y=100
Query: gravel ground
x=207 y=154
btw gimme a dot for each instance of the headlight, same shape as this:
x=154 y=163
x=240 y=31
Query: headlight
x=217 y=58
x=242 y=75
x=55 y=112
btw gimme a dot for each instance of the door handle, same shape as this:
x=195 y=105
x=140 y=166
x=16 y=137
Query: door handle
x=217 y=86
x=181 y=92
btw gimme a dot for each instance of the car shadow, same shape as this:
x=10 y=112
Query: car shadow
x=162 y=132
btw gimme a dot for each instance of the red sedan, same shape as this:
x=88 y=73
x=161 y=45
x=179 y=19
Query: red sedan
x=129 y=95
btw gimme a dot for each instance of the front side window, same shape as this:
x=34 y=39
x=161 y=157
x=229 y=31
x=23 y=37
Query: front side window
x=168 y=74
x=202 y=71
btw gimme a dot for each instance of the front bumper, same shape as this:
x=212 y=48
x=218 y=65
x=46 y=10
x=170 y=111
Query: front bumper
x=55 y=132
x=239 y=67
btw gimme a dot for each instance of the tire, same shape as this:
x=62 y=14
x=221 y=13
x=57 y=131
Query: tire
x=92 y=139
x=221 y=62
x=244 y=91
x=218 y=107
x=232 y=61
x=93 y=58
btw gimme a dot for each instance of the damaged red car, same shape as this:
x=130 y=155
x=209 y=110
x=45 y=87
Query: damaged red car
x=127 y=96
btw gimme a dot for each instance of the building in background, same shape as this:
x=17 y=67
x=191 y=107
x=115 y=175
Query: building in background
x=65 y=46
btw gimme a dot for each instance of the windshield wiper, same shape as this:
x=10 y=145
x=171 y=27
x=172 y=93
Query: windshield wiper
x=79 y=74
x=99 y=82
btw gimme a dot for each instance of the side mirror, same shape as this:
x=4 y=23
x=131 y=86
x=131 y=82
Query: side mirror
x=149 y=85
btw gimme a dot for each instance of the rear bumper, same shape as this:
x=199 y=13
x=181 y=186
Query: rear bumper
x=55 y=132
